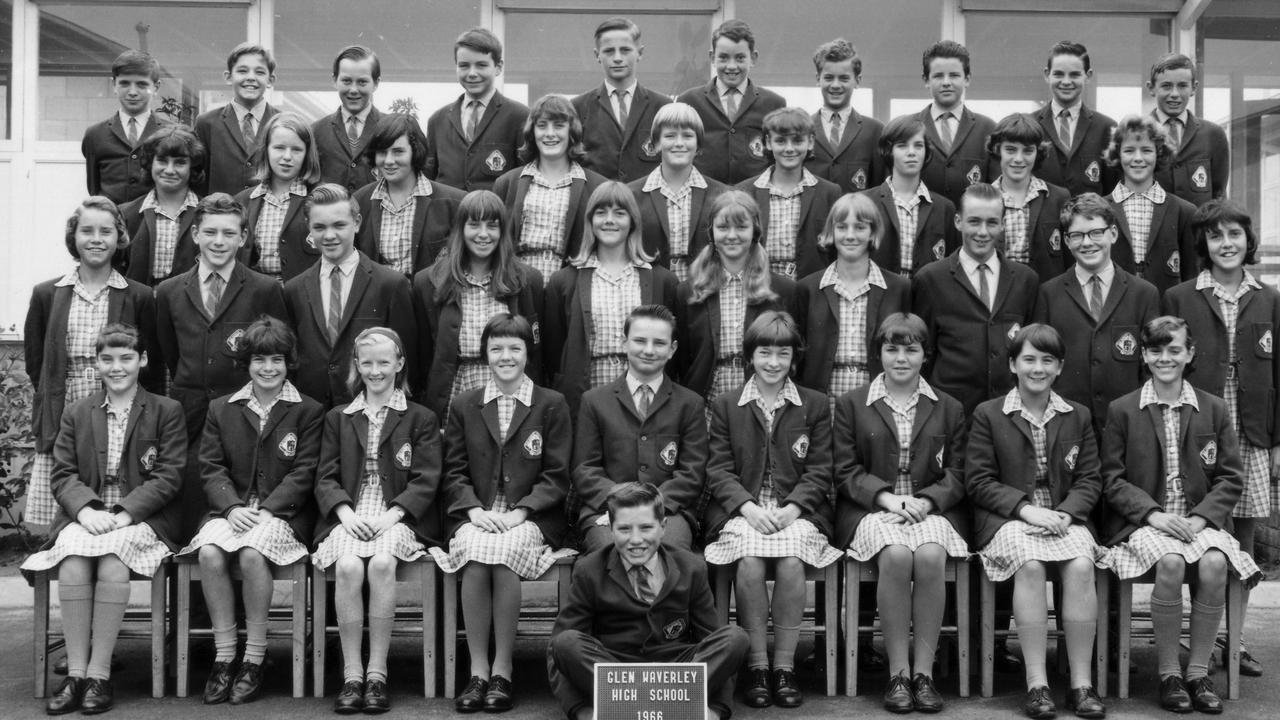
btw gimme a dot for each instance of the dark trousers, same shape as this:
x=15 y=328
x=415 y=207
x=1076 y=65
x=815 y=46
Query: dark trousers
x=572 y=657
x=678 y=535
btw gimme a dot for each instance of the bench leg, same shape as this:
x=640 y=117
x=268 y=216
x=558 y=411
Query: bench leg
x=319 y=631
x=40 y=638
x=158 y=608
x=852 y=581
x=988 y=635
x=1102 y=585
x=182 y=650
x=429 y=630
x=298 y=627
x=1235 y=627
x=1124 y=616
x=962 y=624
x=831 y=621
x=450 y=646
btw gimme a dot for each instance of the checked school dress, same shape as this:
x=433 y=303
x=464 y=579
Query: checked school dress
x=849 y=369
x=398 y=540
x=730 y=369
x=545 y=219
x=879 y=530
x=1144 y=548
x=612 y=299
x=1016 y=542
x=477 y=304
x=273 y=537
x=137 y=545
x=523 y=549
x=801 y=539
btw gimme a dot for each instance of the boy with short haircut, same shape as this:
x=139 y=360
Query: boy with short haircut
x=341 y=138
x=232 y=132
x=616 y=117
x=344 y=294
x=641 y=427
x=1098 y=308
x=732 y=108
x=1032 y=235
x=473 y=141
x=1201 y=163
x=958 y=136
x=112 y=158
x=793 y=202
x=844 y=149
x=640 y=600
x=1079 y=133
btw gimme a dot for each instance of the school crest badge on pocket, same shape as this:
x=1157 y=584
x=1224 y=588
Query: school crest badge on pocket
x=404 y=456
x=1013 y=330
x=938 y=458
x=647 y=148
x=537 y=332
x=233 y=340
x=1175 y=263
x=1093 y=173
x=756 y=147
x=1055 y=241
x=860 y=179
x=495 y=162
x=974 y=176
x=1070 y=459
x=674 y=629
x=800 y=448
x=1264 y=342
x=669 y=454
x=1127 y=345
x=1209 y=453
x=533 y=444
x=148 y=458
x=289 y=445
x=939 y=250
x=1200 y=178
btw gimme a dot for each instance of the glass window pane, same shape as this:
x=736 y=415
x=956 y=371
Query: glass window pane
x=6 y=69
x=78 y=43
x=413 y=41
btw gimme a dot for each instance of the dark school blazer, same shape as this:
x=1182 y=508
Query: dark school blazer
x=1104 y=358
x=296 y=252
x=339 y=162
x=567 y=326
x=432 y=222
x=531 y=468
x=477 y=164
x=936 y=234
x=732 y=151
x=855 y=164
x=379 y=297
x=513 y=188
x=815 y=204
x=797 y=453
x=602 y=604
x=866 y=459
x=439 y=326
x=1049 y=254
x=820 y=320
x=1133 y=472
x=1171 y=246
x=968 y=162
x=150 y=472
x=655 y=228
x=1199 y=171
x=1000 y=467
x=613 y=445
x=228 y=161
x=142 y=232
x=112 y=166
x=200 y=351
x=1256 y=363
x=45 y=348
x=970 y=362
x=622 y=154
x=279 y=463
x=699 y=330
x=409 y=462
x=1082 y=167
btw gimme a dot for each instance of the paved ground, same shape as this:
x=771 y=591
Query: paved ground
x=1260 y=697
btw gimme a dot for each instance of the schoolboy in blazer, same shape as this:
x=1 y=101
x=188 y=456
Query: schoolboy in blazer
x=952 y=167
x=936 y=235
x=251 y=71
x=819 y=314
x=296 y=253
x=733 y=148
x=1104 y=357
x=377 y=297
x=852 y=160
x=356 y=73
x=815 y=203
x=866 y=459
x=113 y=164
x=1201 y=163
x=970 y=362
x=513 y=187
x=699 y=330
x=1078 y=162
x=432 y=222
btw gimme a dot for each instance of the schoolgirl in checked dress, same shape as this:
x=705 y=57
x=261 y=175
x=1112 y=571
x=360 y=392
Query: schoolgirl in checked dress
x=771 y=505
x=507 y=450
x=286 y=170
x=1172 y=474
x=118 y=462
x=1236 y=318
x=899 y=457
x=476 y=277
x=1031 y=473
x=376 y=487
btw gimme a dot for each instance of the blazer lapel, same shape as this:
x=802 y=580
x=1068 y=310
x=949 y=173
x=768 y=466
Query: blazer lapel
x=1159 y=210
x=291 y=210
x=1002 y=292
x=1023 y=426
x=806 y=204
x=1119 y=286
x=820 y=135
x=99 y=424
x=713 y=321
x=117 y=129
x=959 y=275
x=136 y=411
x=660 y=398
x=1037 y=204
x=361 y=423
x=420 y=207
x=583 y=296
x=232 y=289
x=518 y=414
x=833 y=301
x=660 y=209
x=1083 y=121
x=389 y=425
x=849 y=132
x=924 y=408
x=1213 y=305
x=1073 y=291
x=1044 y=116
x=762 y=202
x=251 y=418
x=359 y=283
x=455 y=118
x=311 y=285
x=489 y=413
x=962 y=130
x=922 y=216
x=623 y=394
x=639 y=101
x=886 y=416
x=228 y=116
x=194 y=296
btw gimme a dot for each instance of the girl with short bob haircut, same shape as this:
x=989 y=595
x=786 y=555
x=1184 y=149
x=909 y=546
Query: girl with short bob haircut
x=160 y=222
x=925 y=230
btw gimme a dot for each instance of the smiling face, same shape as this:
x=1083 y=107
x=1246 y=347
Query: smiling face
x=851 y=238
x=507 y=357
x=268 y=373
x=1228 y=246
x=219 y=238
x=171 y=174
x=333 y=230
x=908 y=156
x=837 y=83
x=772 y=364
x=611 y=225
x=96 y=238
x=789 y=149
x=1138 y=159
x=1090 y=240
x=1035 y=369
x=618 y=54
x=731 y=233
x=902 y=362
x=1066 y=78
x=637 y=533
x=396 y=162
x=378 y=364
x=119 y=368
x=1173 y=90
x=552 y=136
x=981 y=226
x=481 y=237
x=1016 y=161
x=355 y=84
x=134 y=93
x=732 y=61
x=286 y=153
x=1167 y=362
x=649 y=346
x=250 y=78
x=677 y=145
x=946 y=81
x=476 y=71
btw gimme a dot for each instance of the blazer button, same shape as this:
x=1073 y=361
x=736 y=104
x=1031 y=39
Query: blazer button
x=333 y=366
x=353 y=164
x=644 y=468
x=733 y=131
x=644 y=438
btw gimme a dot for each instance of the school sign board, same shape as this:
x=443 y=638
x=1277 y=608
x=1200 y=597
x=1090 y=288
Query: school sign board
x=651 y=691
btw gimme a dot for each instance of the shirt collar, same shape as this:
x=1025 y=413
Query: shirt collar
x=485 y=100
x=1155 y=193
x=1107 y=274
x=969 y=264
x=1073 y=111
x=288 y=393
x=628 y=91
x=593 y=261
x=143 y=117
x=115 y=280
x=1013 y=403
x=358 y=404
x=1187 y=396
x=296 y=187
x=524 y=393
x=936 y=112
x=751 y=393
x=721 y=89
x=879 y=389
x=845 y=113
x=205 y=271
x=656 y=182
x=874 y=276
x=151 y=201
x=1035 y=187
x=362 y=116
x=633 y=384
x=531 y=170
x=1205 y=281
x=807 y=180
x=256 y=111
x=347 y=266
x=1184 y=116
x=921 y=192
x=421 y=188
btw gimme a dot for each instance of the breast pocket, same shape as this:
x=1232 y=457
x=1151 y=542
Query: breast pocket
x=667 y=449
x=286 y=444
x=531 y=444
x=231 y=340
x=148 y=451
x=1263 y=340
x=1124 y=343
x=494 y=159
x=937 y=453
x=1206 y=447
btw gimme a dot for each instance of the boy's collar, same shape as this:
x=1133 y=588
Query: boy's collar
x=143 y=118
x=935 y=110
x=721 y=88
x=485 y=100
x=630 y=87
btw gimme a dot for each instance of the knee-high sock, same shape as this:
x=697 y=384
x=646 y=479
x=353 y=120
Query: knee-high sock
x=1080 y=637
x=77 y=623
x=1166 y=624
x=351 y=635
x=1205 y=620
x=379 y=646
x=1034 y=638
x=110 y=600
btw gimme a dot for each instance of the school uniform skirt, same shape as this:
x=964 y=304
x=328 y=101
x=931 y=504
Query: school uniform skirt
x=1014 y=545
x=605 y=369
x=273 y=538
x=522 y=549
x=1256 y=496
x=801 y=539
x=1144 y=548
x=878 y=531
x=545 y=260
x=729 y=374
x=137 y=545
x=41 y=507
x=398 y=540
